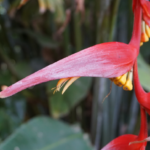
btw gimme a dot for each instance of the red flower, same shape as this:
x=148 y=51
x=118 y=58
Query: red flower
x=130 y=141
x=107 y=60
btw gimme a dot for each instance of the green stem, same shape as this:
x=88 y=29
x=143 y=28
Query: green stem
x=77 y=31
x=66 y=43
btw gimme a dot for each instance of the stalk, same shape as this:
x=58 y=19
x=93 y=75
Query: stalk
x=77 y=31
x=114 y=18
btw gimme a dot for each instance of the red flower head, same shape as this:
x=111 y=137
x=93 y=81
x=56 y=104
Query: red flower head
x=130 y=141
x=145 y=33
x=109 y=60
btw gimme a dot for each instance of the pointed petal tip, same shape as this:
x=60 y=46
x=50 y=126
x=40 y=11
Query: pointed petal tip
x=2 y=96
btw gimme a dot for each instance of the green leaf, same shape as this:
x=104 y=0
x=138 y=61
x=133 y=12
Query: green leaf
x=12 y=113
x=59 y=13
x=5 y=77
x=43 y=133
x=62 y=104
x=5 y=124
x=144 y=73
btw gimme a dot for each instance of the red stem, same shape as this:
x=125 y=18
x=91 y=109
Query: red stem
x=136 y=35
x=139 y=92
x=143 y=129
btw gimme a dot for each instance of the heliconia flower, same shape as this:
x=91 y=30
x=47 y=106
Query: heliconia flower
x=109 y=60
x=145 y=32
x=130 y=141
x=142 y=96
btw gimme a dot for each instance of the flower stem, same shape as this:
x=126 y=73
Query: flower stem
x=143 y=129
x=136 y=35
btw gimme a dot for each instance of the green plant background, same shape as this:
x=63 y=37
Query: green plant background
x=37 y=119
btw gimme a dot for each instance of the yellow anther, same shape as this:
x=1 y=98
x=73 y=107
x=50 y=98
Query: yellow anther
x=141 y=43
x=117 y=78
x=122 y=80
x=73 y=79
x=128 y=85
x=117 y=83
x=60 y=83
x=144 y=37
x=147 y=28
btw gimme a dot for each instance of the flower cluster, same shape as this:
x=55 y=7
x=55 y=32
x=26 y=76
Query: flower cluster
x=114 y=60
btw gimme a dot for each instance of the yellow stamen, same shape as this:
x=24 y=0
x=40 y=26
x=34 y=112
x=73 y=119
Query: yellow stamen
x=141 y=43
x=121 y=81
x=117 y=78
x=147 y=30
x=60 y=83
x=144 y=37
x=117 y=83
x=128 y=85
x=73 y=79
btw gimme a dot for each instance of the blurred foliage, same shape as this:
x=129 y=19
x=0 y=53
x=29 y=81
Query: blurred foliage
x=33 y=35
x=40 y=133
x=144 y=73
x=38 y=33
x=12 y=114
x=62 y=104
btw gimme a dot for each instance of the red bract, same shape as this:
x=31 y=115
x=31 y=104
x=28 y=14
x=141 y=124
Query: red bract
x=142 y=96
x=129 y=141
x=146 y=7
x=103 y=60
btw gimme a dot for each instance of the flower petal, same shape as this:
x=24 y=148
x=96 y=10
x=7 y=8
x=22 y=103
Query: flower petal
x=133 y=5
x=103 y=60
x=122 y=143
x=129 y=141
x=146 y=19
x=146 y=7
